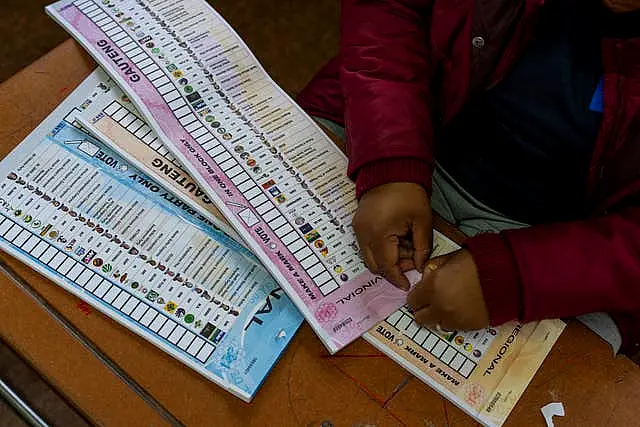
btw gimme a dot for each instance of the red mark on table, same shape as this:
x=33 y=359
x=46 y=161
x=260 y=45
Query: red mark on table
x=84 y=308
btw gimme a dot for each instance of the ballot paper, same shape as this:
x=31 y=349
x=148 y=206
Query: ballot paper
x=269 y=169
x=483 y=372
x=106 y=231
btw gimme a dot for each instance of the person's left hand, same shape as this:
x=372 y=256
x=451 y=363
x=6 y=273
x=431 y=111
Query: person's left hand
x=449 y=294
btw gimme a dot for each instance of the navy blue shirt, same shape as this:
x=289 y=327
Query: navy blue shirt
x=524 y=147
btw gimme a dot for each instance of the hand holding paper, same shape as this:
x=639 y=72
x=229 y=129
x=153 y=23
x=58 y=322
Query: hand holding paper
x=387 y=214
x=450 y=294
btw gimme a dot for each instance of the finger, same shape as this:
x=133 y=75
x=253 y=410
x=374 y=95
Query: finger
x=370 y=260
x=386 y=257
x=422 y=234
x=395 y=275
x=421 y=296
x=364 y=241
x=404 y=252
x=386 y=253
x=406 y=242
x=406 y=264
x=427 y=316
x=446 y=325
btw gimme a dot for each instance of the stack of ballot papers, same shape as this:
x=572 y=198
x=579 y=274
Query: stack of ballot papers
x=181 y=192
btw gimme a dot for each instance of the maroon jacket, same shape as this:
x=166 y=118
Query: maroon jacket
x=406 y=67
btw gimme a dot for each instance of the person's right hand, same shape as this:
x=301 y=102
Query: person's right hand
x=387 y=214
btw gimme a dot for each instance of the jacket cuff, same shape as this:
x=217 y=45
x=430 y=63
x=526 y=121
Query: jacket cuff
x=385 y=171
x=499 y=277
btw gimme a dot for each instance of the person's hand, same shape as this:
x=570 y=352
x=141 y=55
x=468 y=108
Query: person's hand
x=388 y=215
x=621 y=6
x=450 y=294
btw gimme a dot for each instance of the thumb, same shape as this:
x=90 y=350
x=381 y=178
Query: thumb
x=422 y=235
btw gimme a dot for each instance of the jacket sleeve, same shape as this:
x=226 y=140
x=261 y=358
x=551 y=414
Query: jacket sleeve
x=561 y=270
x=385 y=81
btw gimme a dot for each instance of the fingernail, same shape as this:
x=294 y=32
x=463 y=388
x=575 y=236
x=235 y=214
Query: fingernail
x=431 y=266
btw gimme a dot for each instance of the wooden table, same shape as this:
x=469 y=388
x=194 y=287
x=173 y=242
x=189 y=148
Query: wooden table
x=357 y=387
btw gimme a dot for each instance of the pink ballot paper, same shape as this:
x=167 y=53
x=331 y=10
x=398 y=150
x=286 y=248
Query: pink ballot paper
x=270 y=170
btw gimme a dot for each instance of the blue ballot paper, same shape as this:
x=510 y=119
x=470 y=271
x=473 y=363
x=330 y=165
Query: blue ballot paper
x=102 y=229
